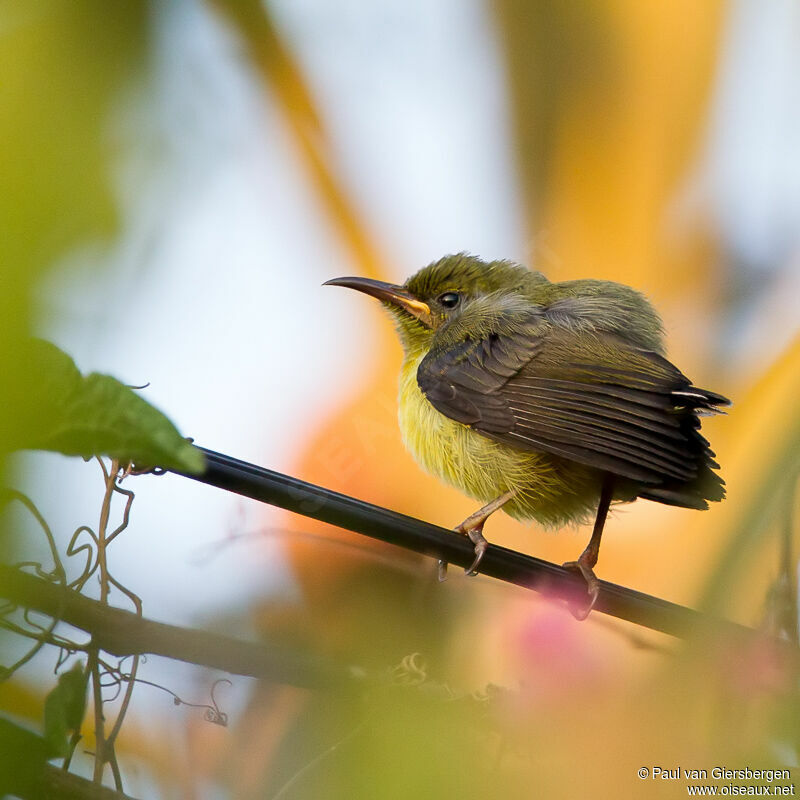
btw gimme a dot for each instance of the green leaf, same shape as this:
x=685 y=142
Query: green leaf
x=64 y=709
x=105 y=416
x=55 y=408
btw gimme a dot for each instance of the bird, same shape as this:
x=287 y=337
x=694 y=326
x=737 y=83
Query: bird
x=548 y=400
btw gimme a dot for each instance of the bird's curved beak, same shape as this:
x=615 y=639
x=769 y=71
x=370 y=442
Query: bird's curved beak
x=387 y=293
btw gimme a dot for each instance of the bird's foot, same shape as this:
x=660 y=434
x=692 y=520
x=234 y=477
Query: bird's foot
x=472 y=527
x=474 y=531
x=582 y=611
x=475 y=535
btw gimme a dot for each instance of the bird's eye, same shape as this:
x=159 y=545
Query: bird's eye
x=449 y=299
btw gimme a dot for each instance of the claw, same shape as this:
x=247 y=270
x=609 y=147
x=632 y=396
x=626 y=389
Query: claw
x=441 y=573
x=479 y=540
x=592 y=588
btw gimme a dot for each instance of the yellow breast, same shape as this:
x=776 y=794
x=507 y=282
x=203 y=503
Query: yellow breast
x=548 y=490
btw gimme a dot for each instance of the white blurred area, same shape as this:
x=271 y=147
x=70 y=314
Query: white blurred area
x=213 y=296
x=747 y=180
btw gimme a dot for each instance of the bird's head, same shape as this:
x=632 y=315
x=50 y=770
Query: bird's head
x=456 y=292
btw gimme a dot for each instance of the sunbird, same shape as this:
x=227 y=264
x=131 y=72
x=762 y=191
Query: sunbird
x=548 y=400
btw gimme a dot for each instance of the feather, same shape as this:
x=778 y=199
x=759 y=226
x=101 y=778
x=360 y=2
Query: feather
x=595 y=400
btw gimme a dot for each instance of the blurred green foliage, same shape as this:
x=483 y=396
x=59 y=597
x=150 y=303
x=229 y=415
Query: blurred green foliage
x=64 y=709
x=63 y=64
x=23 y=756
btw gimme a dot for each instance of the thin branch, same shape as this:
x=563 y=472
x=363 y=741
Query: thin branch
x=110 y=479
x=99 y=721
x=212 y=710
x=136 y=600
x=57 y=573
x=62 y=785
x=115 y=771
x=123 y=633
x=103 y=748
x=258 y=483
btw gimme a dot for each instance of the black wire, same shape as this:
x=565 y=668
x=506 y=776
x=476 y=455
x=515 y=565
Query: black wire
x=274 y=488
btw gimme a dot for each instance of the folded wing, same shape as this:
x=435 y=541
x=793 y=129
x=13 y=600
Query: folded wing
x=596 y=400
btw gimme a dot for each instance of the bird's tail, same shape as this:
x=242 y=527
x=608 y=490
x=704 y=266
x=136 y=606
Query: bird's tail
x=690 y=404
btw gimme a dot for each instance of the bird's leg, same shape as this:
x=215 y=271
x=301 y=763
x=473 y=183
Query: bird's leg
x=588 y=558
x=472 y=527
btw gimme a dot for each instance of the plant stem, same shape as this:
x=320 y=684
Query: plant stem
x=99 y=721
x=110 y=479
